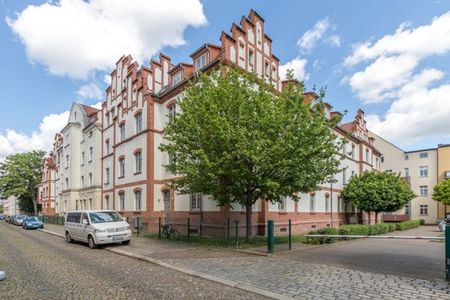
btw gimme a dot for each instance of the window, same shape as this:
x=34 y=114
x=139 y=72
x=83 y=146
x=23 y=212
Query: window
x=344 y=177
x=176 y=78
x=407 y=209
x=172 y=112
x=91 y=153
x=339 y=203
x=67 y=183
x=312 y=203
x=406 y=156
x=251 y=57
x=196 y=201
x=90 y=133
x=138 y=121
x=266 y=69
x=423 y=171
x=90 y=204
x=107 y=176
x=107 y=202
x=82 y=181
x=138 y=162
x=353 y=151
x=367 y=155
x=107 y=147
x=327 y=203
x=67 y=161
x=90 y=179
x=122 y=131
x=389 y=171
x=137 y=197
x=113 y=112
x=108 y=119
x=82 y=158
x=423 y=190
x=121 y=201
x=423 y=210
x=423 y=155
x=406 y=171
x=121 y=167
x=200 y=62
x=282 y=204
x=382 y=158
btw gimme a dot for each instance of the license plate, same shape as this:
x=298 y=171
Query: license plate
x=117 y=238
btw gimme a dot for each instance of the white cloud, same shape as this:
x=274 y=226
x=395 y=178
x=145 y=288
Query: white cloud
x=334 y=40
x=298 y=66
x=310 y=38
x=76 y=37
x=90 y=91
x=12 y=141
x=419 y=103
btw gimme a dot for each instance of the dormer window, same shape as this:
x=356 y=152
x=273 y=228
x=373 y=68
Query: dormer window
x=200 y=62
x=176 y=78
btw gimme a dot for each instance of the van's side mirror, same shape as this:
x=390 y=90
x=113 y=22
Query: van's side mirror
x=85 y=222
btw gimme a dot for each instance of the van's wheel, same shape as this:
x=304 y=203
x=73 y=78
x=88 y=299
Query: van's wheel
x=68 y=238
x=126 y=242
x=91 y=242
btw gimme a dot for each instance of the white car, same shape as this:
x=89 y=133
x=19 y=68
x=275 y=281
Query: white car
x=96 y=227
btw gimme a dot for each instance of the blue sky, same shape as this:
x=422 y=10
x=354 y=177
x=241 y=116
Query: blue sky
x=399 y=77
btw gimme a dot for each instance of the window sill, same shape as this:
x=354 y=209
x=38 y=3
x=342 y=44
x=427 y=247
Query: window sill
x=90 y=161
x=120 y=177
x=138 y=173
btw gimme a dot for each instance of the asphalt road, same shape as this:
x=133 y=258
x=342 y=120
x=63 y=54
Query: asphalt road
x=41 y=266
x=420 y=259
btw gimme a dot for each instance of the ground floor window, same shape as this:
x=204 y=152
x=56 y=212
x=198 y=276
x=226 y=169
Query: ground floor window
x=424 y=210
x=282 y=204
x=312 y=203
x=122 y=201
x=196 y=201
x=138 y=200
x=327 y=203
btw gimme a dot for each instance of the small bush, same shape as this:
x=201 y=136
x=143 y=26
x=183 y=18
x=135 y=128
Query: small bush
x=354 y=230
x=408 y=224
x=322 y=240
x=422 y=222
x=392 y=227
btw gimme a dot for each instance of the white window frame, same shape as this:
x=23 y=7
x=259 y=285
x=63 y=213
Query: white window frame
x=423 y=191
x=196 y=201
x=423 y=171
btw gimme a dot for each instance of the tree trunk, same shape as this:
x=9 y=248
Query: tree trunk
x=376 y=217
x=248 y=223
x=368 y=215
x=33 y=197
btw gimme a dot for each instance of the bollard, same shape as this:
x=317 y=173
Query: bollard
x=2 y=275
x=447 y=252
x=236 y=235
x=228 y=232
x=270 y=238
x=290 y=234
x=159 y=228
x=188 y=228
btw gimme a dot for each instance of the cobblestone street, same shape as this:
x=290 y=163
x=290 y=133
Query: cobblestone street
x=41 y=266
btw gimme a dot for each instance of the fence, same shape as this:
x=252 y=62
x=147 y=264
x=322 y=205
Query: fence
x=58 y=220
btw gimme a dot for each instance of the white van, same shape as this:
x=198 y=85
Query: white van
x=96 y=227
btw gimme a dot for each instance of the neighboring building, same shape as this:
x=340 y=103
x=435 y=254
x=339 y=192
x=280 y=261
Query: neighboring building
x=419 y=168
x=11 y=206
x=443 y=173
x=46 y=189
x=77 y=157
x=141 y=100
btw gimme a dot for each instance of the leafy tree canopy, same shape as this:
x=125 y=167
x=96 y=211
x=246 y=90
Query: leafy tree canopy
x=441 y=192
x=377 y=192
x=20 y=175
x=239 y=141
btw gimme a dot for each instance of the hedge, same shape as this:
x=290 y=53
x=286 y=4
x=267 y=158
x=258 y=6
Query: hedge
x=358 y=229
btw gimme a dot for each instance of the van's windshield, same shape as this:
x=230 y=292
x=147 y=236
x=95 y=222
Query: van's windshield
x=105 y=217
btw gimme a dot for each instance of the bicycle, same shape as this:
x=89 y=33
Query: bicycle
x=169 y=232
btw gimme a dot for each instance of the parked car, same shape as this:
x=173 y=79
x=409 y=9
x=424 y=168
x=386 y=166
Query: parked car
x=2 y=217
x=9 y=219
x=441 y=223
x=18 y=220
x=32 y=223
x=96 y=227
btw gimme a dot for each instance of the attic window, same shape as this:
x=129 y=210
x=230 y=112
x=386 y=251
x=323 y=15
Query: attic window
x=200 y=62
x=176 y=78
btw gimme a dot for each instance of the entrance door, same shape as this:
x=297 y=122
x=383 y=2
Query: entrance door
x=166 y=195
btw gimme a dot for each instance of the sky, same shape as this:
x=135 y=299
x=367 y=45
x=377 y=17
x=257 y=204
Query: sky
x=390 y=58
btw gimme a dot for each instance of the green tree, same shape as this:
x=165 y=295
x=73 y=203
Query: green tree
x=239 y=141
x=441 y=192
x=20 y=175
x=377 y=192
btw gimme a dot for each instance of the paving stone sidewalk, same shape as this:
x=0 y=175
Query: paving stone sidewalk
x=283 y=277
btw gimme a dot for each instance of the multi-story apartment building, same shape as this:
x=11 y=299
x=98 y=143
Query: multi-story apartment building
x=443 y=173
x=77 y=161
x=46 y=189
x=140 y=101
x=420 y=170
x=11 y=206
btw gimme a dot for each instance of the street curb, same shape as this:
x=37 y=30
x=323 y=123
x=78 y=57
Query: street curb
x=251 y=252
x=213 y=278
